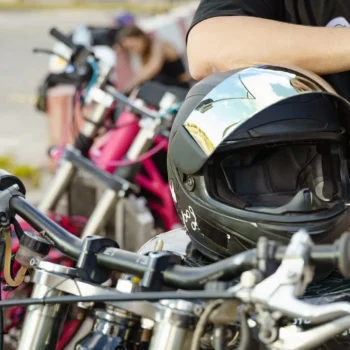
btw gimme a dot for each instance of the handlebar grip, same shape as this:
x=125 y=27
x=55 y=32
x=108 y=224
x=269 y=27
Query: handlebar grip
x=343 y=245
x=63 y=38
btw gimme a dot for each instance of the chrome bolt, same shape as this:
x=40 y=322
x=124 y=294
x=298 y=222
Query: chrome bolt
x=34 y=262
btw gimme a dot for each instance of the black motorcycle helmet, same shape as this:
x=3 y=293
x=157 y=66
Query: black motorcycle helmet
x=257 y=152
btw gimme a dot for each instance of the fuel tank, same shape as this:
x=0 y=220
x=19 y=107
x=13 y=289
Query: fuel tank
x=333 y=288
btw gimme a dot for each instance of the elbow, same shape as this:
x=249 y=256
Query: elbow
x=208 y=52
x=199 y=64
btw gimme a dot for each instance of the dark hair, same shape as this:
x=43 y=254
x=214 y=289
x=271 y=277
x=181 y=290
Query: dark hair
x=132 y=31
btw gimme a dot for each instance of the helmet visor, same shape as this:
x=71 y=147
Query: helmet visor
x=282 y=179
x=231 y=106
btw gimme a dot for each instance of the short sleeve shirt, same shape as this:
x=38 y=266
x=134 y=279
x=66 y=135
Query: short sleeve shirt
x=321 y=13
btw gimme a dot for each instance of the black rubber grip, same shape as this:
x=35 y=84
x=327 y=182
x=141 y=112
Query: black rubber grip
x=63 y=38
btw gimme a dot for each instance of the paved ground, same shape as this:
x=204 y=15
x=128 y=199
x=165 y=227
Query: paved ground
x=22 y=129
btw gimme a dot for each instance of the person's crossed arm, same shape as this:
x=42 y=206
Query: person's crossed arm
x=230 y=34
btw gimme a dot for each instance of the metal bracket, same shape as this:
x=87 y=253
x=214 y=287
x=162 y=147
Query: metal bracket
x=87 y=265
x=291 y=340
x=276 y=295
x=293 y=275
x=157 y=263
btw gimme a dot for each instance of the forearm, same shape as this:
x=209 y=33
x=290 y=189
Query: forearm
x=225 y=43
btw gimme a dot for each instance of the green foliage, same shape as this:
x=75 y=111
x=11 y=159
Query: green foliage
x=25 y=172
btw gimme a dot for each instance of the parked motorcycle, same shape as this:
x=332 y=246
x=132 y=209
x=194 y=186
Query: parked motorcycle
x=204 y=288
x=134 y=150
x=201 y=307
x=100 y=39
x=138 y=134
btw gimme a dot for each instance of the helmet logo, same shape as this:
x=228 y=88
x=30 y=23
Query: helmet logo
x=172 y=190
x=189 y=217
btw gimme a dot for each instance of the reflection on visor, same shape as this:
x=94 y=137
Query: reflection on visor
x=238 y=98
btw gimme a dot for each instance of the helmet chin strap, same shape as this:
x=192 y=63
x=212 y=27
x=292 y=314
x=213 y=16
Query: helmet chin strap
x=304 y=201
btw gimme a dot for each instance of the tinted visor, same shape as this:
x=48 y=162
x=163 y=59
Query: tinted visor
x=280 y=179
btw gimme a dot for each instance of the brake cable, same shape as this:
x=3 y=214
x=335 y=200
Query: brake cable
x=12 y=282
x=119 y=297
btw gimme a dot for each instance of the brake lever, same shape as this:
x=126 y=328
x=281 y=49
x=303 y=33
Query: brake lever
x=293 y=275
x=49 y=52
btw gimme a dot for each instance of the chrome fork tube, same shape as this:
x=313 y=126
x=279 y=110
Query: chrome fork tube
x=67 y=170
x=174 y=326
x=43 y=324
x=89 y=129
x=101 y=213
x=58 y=186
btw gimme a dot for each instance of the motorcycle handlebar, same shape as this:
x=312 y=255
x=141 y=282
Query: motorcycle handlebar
x=49 y=52
x=63 y=38
x=80 y=52
x=128 y=262
x=176 y=275
x=134 y=108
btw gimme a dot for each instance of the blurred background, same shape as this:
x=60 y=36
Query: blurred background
x=24 y=25
x=29 y=131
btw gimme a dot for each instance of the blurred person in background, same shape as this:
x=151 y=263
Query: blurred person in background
x=159 y=60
